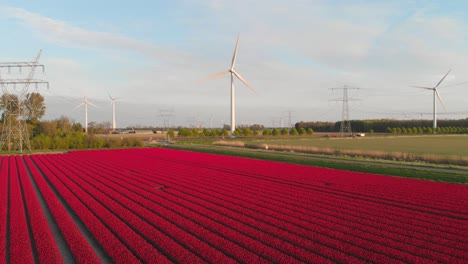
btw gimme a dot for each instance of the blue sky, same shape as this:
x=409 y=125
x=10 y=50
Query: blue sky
x=151 y=53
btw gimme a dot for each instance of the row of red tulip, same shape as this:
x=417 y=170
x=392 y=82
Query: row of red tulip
x=25 y=235
x=45 y=246
x=399 y=188
x=313 y=206
x=212 y=232
x=80 y=249
x=248 y=204
x=358 y=208
x=302 y=197
x=165 y=206
x=397 y=244
x=3 y=207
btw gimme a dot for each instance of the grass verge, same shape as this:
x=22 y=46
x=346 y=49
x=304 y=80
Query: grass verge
x=406 y=171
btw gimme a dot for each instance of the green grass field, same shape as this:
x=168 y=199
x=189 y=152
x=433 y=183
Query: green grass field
x=449 y=145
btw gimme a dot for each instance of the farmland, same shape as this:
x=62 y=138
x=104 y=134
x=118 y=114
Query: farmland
x=441 y=145
x=452 y=145
x=434 y=149
x=171 y=206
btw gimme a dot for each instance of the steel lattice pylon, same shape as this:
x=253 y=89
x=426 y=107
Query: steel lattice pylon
x=345 y=126
x=15 y=132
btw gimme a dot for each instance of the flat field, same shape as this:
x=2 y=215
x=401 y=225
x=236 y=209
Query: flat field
x=171 y=206
x=450 y=145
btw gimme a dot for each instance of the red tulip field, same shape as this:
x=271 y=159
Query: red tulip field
x=170 y=206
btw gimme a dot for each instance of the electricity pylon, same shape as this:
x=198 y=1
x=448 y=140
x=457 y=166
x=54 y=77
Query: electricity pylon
x=15 y=131
x=166 y=115
x=345 y=126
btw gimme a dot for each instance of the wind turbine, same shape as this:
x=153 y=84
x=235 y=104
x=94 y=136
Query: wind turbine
x=238 y=76
x=85 y=103
x=435 y=93
x=113 y=110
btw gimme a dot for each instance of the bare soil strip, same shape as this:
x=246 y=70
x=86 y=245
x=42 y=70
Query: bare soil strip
x=100 y=252
x=59 y=239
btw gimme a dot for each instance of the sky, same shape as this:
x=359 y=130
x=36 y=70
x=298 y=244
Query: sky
x=152 y=54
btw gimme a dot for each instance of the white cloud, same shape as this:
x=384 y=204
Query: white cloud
x=290 y=53
x=64 y=34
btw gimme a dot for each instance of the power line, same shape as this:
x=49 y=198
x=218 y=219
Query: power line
x=15 y=130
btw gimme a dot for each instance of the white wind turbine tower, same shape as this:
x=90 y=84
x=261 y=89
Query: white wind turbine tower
x=238 y=76
x=85 y=103
x=435 y=93
x=113 y=99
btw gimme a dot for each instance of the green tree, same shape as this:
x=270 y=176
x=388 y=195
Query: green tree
x=276 y=132
x=293 y=132
x=41 y=142
x=76 y=139
x=9 y=104
x=266 y=132
x=310 y=131
x=302 y=131
x=195 y=132
x=170 y=133
x=34 y=107
x=183 y=132
x=225 y=132
x=207 y=132
x=284 y=132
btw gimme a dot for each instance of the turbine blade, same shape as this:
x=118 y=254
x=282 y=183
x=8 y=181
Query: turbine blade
x=440 y=99
x=109 y=95
x=214 y=76
x=244 y=81
x=423 y=87
x=91 y=103
x=442 y=79
x=454 y=84
x=78 y=106
x=235 y=53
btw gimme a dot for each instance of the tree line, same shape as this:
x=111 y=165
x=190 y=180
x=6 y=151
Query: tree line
x=380 y=125
x=246 y=132
x=427 y=130
x=58 y=134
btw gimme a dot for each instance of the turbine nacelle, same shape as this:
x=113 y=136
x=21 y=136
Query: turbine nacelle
x=85 y=102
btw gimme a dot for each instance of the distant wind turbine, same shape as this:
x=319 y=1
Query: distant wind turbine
x=85 y=103
x=238 y=76
x=113 y=110
x=435 y=93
